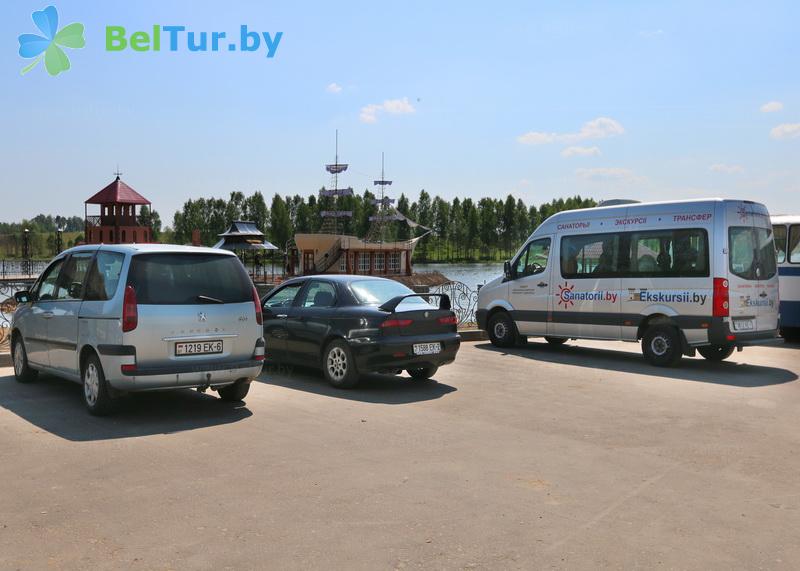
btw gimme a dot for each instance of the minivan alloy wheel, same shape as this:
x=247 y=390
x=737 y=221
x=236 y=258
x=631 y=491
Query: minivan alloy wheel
x=19 y=358
x=91 y=384
x=337 y=363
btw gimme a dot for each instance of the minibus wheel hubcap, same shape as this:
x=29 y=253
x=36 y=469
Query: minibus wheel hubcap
x=500 y=330
x=91 y=384
x=659 y=345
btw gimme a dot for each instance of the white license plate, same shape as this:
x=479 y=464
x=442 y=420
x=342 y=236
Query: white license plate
x=744 y=324
x=427 y=348
x=198 y=348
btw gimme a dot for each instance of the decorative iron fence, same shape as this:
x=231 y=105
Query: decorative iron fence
x=463 y=301
x=7 y=306
x=13 y=269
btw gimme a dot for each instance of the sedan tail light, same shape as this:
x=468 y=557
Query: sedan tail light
x=448 y=320
x=396 y=323
x=130 y=311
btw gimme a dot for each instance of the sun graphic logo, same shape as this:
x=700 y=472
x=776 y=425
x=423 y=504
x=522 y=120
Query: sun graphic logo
x=565 y=294
x=742 y=211
x=48 y=47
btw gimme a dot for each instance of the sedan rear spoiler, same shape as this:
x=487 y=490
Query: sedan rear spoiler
x=391 y=305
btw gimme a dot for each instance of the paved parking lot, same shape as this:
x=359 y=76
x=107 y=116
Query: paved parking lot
x=573 y=457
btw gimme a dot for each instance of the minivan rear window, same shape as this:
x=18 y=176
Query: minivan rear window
x=189 y=279
x=752 y=252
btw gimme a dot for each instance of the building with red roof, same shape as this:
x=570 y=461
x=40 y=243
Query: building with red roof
x=118 y=221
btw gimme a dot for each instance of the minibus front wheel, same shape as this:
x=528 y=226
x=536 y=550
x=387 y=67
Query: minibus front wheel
x=661 y=345
x=502 y=330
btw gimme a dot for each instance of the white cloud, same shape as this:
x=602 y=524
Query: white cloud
x=581 y=152
x=609 y=174
x=600 y=128
x=771 y=107
x=369 y=113
x=786 y=131
x=651 y=33
x=727 y=169
x=333 y=88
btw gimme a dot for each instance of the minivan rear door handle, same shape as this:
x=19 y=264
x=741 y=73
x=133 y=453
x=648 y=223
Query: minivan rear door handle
x=48 y=314
x=542 y=284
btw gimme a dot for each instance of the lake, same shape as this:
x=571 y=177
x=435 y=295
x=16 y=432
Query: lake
x=469 y=274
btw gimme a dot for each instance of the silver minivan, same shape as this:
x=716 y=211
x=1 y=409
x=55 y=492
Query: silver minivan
x=125 y=318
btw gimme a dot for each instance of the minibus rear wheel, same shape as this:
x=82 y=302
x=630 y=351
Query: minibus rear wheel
x=661 y=345
x=716 y=352
x=502 y=331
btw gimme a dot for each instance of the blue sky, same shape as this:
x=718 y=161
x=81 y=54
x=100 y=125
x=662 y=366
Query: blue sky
x=605 y=99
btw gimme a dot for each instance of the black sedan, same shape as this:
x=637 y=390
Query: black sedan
x=348 y=325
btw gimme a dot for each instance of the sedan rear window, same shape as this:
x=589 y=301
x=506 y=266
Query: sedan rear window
x=189 y=279
x=377 y=292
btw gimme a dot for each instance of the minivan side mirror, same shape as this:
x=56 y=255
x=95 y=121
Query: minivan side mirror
x=23 y=296
x=507 y=272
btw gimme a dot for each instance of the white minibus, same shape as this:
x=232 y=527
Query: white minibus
x=681 y=276
x=787 y=246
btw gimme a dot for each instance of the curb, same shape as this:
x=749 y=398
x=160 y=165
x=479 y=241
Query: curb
x=5 y=359
x=473 y=335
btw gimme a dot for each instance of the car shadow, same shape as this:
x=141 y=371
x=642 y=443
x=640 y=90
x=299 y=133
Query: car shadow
x=372 y=388
x=699 y=370
x=56 y=405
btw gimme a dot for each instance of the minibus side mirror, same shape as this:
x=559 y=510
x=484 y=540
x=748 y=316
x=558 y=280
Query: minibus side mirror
x=22 y=297
x=507 y=270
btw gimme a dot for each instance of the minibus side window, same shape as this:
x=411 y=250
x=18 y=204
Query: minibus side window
x=590 y=256
x=669 y=253
x=794 y=244
x=779 y=232
x=532 y=260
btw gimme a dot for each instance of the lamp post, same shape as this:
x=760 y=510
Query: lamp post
x=26 y=252
x=59 y=234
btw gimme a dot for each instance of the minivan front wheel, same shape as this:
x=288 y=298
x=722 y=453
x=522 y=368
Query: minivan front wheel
x=96 y=395
x=502 y=331
x=235 y=392
x=661 y=345
x=22 y=370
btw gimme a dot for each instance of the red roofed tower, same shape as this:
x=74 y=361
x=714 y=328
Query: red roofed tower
x=118 y=220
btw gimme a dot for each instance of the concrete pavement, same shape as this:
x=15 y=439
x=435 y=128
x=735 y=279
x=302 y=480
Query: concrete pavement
x=579 y=456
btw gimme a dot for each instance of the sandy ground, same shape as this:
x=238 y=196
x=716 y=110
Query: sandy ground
x=574 y=457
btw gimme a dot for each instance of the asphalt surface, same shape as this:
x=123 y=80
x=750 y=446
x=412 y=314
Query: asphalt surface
x=575 y=457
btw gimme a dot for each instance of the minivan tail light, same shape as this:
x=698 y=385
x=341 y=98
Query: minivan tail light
x=257 y=302
x=448 y=320
x=721 y=299
x=396 y=323
x=130 y=312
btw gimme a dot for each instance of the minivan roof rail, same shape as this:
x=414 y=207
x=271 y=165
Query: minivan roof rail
x=618 y=202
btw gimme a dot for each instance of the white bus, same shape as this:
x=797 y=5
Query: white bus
x=682 y=277
x=787 y=246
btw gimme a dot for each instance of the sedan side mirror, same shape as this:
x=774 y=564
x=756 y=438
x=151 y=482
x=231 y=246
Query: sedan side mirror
x=23 y=297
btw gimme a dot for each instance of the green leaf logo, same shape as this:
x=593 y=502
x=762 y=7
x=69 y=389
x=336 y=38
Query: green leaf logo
x=48 y=46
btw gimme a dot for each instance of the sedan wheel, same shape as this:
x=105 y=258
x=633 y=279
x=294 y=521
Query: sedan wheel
x=339 y=366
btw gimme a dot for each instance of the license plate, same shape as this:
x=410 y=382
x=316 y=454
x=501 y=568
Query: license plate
x=427 y=348
x=743 y=324
x=198 y=348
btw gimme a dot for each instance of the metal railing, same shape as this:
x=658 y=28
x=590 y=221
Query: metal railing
x=13 y=269
x=463 y=301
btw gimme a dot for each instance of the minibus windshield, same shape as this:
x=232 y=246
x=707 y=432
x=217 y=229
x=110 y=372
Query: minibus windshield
x=752 y=252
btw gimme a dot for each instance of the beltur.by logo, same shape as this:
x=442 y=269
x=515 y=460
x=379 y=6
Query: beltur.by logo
x=48 y=46
x=176 y=38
